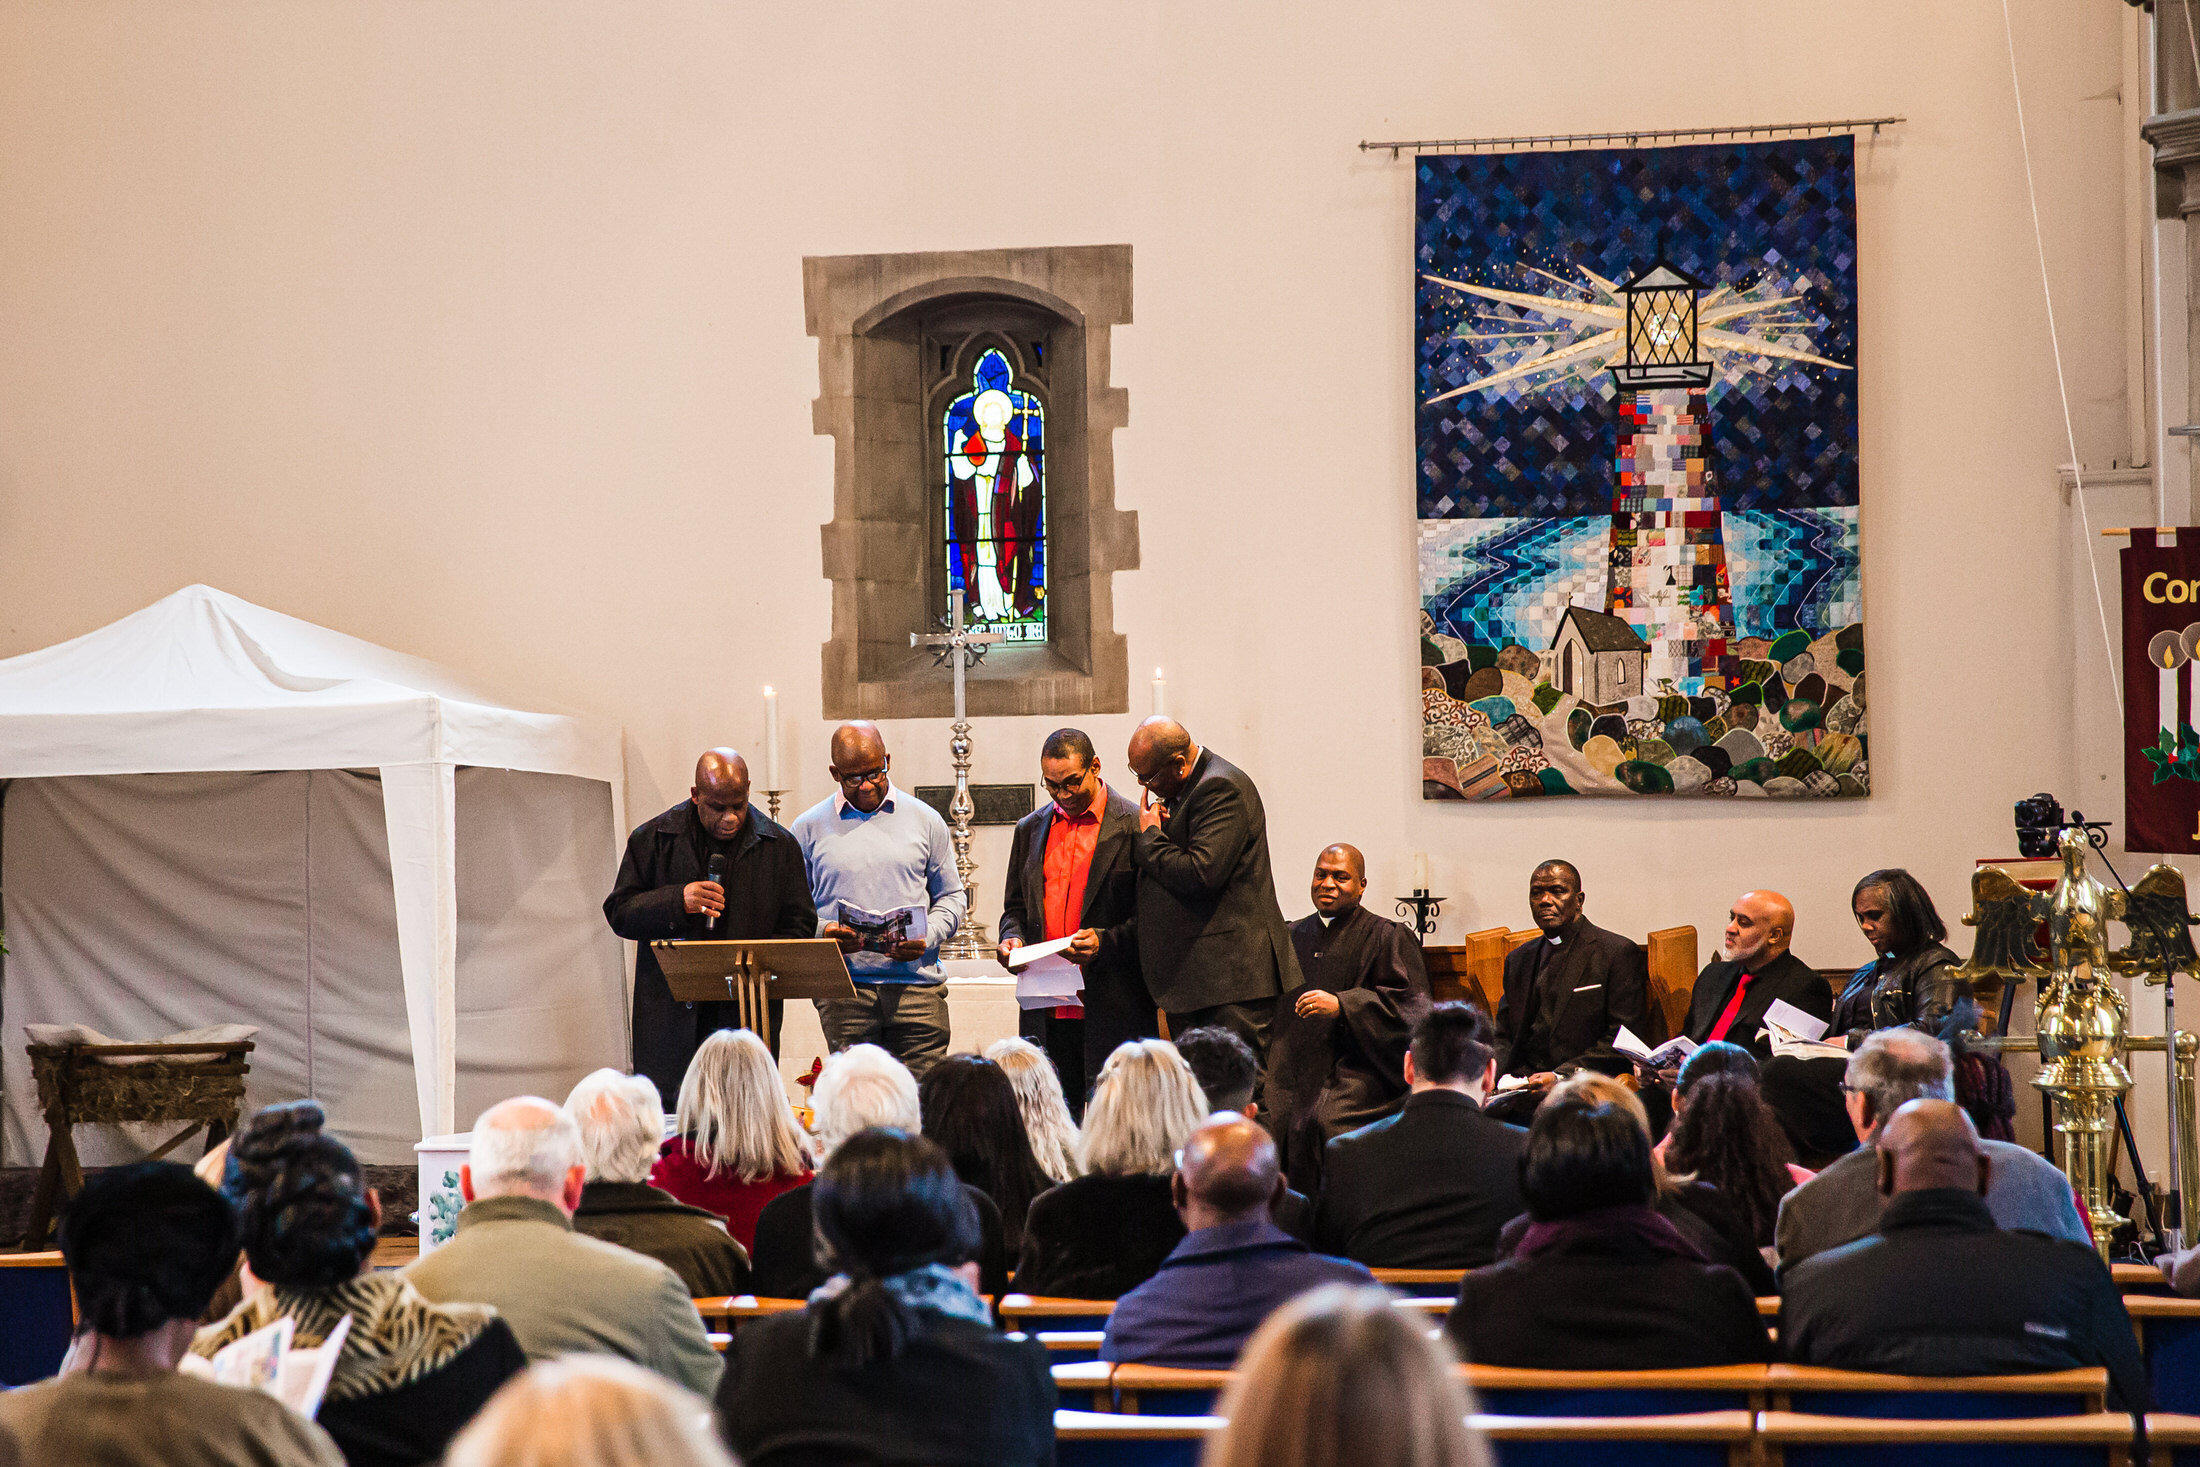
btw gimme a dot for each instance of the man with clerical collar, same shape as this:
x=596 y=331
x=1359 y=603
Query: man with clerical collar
x=665 y=891
x=1070 y=874
x=1754 y=967
x=1568 y=991
x=1338 y=1046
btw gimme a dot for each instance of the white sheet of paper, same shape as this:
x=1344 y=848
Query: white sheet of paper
x=1787 y=1016
x=1023 y=957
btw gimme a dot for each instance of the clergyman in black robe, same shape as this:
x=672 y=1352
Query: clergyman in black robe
x=1336 y=1060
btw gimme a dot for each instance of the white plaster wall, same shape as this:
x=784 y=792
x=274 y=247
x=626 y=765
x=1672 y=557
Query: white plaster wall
x=475 y=329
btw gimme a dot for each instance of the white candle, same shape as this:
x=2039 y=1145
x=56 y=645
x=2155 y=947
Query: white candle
x=771 y=739
x=1420 y=871
x=1160 y=705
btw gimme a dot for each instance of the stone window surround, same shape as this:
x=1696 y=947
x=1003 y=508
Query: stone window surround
x=869 y=314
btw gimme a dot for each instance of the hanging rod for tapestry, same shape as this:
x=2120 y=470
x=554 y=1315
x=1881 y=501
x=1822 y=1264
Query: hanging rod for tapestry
x=1633 y=138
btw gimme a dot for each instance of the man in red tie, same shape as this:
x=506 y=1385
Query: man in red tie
x=1753 y=968
x=1070 y=875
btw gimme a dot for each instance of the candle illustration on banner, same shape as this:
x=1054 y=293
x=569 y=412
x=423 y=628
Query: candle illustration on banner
x=1160 y=705
x=771 y=738
x=2167 y=652
x=2190 y=641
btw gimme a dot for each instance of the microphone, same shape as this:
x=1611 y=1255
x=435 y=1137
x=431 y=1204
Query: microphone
x=718 y=878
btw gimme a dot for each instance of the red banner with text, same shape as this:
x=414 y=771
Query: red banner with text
x=2161 y=675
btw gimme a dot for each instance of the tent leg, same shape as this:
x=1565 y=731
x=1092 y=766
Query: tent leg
x=420 y=810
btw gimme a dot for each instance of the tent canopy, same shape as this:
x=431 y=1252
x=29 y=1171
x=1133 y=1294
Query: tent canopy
x=201 y=681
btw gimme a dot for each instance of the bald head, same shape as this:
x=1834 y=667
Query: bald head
x=1930 y=1145
x=1340 y=880
x=525 y=1147
x=859 y=764
x=1229 y=1173
x=1759 y=928
x=721 y=792
x=1162 y=755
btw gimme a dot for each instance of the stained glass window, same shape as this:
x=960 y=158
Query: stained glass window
x=995 y=486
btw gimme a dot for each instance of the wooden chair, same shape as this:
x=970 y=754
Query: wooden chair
x=197 y=1084
x=1435 y=1306
x=37 y=1316
x=1071 y=1346
x=2169 y=1337
x=1852 y=1393
x=1034 y=1312
x=719 y=1340
x=1508 y=1391
x=1426 y=1283
x=2141 y=1278
x=1094 y=1439
x=1791 y=1440
x=2173 y=1439
x=1086 y=1385
x=731 y=1311
x=1671 y=954
x=1693 y=1439
x=1164 y=1390
x=1473 y=972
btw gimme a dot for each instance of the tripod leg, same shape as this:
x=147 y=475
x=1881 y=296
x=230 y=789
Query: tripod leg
x=2138 y=1168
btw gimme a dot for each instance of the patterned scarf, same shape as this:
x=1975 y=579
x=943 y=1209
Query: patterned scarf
x=396 y=1336
x=935 y=1287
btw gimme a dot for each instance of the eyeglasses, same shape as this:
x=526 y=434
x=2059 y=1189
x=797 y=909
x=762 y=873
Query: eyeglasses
x=862 y=778
x=1068 y=786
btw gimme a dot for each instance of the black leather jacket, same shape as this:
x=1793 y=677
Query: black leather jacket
x=1920 y=989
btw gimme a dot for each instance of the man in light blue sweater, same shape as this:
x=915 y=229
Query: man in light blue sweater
x=875 y=848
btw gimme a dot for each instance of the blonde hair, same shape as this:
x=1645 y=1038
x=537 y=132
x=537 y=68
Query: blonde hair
x=1341 y=1375
x=1144 y=1107
x=1599 y=1089
x=622 y=1123
x=735 y=1114
x=1039 y=1099
x=590 y=1411
x=860 y=1087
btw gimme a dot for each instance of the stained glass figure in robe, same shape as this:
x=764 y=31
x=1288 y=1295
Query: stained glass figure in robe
x=996 y=501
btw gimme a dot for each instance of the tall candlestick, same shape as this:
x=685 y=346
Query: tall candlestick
x=1160 y=704
x=771 y=738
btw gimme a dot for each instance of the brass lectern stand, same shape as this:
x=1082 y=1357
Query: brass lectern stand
x=751 y=974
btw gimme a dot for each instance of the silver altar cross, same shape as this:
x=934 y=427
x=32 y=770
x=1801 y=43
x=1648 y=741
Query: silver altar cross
x=965 y=649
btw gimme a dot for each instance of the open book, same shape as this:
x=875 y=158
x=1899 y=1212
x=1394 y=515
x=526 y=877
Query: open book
x=1666 y=1055
x=1797 y=1035
x=265 y=1361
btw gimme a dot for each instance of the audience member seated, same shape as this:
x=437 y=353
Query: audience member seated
x=860 y=1087
x=1234 y=1267
x=562 y=1293
x=1842 y=1203
x=1754 y=967
x=738 y=1144
x=1725 y=1135
x=896 y=1359
x=1698 y=1211
x=146 y=1246
x=1941 y=1289
x=590 y=1411
x=1048 y=1125
x=1430 y=1186
x=969 y=1109
x=1566 y=994
x=622 y=1123
x=410 y=1373
x=1599 y=1280
x=1106 y=1233
x=1341 y=1377
x=1228 y=1072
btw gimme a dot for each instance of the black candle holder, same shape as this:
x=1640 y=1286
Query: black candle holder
x=1422 y=908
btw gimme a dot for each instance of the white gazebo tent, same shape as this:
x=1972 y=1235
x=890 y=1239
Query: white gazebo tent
x=252 y=880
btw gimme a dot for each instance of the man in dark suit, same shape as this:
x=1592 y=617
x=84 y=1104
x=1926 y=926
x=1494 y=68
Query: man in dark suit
x=1940 y=1290
x=1070 y=875
x=1753 y=968
x=1211 y=939
x=1430 y=1186
x=1567 y=992
x=664 y=891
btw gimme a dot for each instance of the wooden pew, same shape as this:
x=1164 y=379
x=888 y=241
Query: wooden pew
x=1474 y=971
x=1034 y=1312
x=730 y=1311
x=1510 y=1391
x=37 y=1316
x=1071 y=1346
x=1435 y=1306
x=1694 y=1439
x=1423 y=1283
x=1093 y=1439
x=1165 y=1390
x=1086 y=1385
x=1855 y=1393
x=2141 y=1278
x=1791 y=1440
x=2169 y=1338
x=2173 y=1439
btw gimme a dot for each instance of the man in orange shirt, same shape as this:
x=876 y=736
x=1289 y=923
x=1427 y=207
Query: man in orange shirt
x=1070 y=875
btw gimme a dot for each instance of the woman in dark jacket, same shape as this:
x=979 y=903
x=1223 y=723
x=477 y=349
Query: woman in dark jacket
x=1599 y=1280
x=896 y=1359
x=410 y=1373
x=1109 y=1231
x=970 y=1112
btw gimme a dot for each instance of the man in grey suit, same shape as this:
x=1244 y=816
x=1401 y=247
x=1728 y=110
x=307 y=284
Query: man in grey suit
x=1892 y=1067
x=562 y=1293
x=1211 y=938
